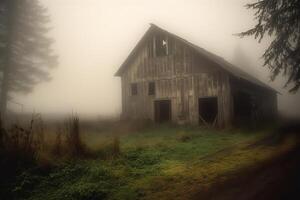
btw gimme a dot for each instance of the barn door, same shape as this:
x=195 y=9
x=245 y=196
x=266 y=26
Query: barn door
x=208 y=110
x=162 y=111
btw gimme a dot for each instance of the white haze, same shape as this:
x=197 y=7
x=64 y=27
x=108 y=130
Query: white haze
x=93 y=38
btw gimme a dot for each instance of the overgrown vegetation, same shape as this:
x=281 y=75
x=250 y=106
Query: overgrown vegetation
x=19 y=151
x=23 y=150
x=151 y=162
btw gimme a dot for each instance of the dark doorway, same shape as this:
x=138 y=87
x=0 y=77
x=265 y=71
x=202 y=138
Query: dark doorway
x=208 y=110
x=162 y=110
x=243 y=106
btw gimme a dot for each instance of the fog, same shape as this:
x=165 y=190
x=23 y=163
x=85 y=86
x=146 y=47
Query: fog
x=93 y=38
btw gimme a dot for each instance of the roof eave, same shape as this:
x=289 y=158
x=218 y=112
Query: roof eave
x=203 y=52
x=134 y=50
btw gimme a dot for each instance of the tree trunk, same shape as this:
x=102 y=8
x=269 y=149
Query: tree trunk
x=4 y=93
x=6 y=67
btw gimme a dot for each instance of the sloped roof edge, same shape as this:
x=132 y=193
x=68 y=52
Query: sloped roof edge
x=232 y=69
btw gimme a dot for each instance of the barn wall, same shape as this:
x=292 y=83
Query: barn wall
x=182 y=77
x=265 y=100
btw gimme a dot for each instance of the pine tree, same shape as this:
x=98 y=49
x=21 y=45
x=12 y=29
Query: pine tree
x=28 y=54
x=279 y=19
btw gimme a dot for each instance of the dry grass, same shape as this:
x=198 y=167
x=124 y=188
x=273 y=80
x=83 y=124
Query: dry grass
x=19 y=150
x=20 y=145
x=75 y=146
x=25 y=146
x=57 y=150
x=140 y=161
x=68 y=141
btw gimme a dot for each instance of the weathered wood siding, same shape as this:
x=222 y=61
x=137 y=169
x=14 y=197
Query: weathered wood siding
x=266 y=100
x=183 y=77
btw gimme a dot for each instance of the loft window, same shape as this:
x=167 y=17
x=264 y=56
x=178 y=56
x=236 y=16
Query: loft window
x=161 y=45
x=134 y=90
x=151 y=88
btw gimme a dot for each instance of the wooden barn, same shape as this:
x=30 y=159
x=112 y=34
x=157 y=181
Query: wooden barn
x=166 y=78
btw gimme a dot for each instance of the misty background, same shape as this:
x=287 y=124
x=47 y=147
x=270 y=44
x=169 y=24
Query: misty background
x=93 y=38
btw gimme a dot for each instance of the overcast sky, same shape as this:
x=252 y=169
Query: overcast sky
x=93 y=38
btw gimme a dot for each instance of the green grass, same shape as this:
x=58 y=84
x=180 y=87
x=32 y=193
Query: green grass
x=162 y=162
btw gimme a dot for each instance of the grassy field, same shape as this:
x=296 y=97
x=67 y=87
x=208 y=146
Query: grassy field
x=161 y=162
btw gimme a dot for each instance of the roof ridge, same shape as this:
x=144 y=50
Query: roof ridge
x=238 y=69
x=222 y=62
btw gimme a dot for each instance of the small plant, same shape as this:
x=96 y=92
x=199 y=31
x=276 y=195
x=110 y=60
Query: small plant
x=39 y=130
x=57 y=147
x=75 y=145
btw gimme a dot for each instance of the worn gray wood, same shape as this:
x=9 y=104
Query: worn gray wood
x=182 y=77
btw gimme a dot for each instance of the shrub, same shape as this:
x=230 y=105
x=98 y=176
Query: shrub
x=19 y=147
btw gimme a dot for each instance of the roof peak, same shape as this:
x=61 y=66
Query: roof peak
x=232 y=69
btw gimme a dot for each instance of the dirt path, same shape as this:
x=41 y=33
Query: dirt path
x=277 y=179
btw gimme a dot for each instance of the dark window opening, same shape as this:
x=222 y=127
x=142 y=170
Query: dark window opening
x=242 y=105
x=162 y=111
x=161 y=45
x=245 y=108
x=134 y=90
x=208 y=110
x=151 y=89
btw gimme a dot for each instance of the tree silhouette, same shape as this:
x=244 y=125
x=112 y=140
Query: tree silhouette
x=27 y=54
x=281 y=20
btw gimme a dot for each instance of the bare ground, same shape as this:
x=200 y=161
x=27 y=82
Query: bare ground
x=275 y=179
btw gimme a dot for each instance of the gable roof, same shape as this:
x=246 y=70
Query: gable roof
x=232 y=69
